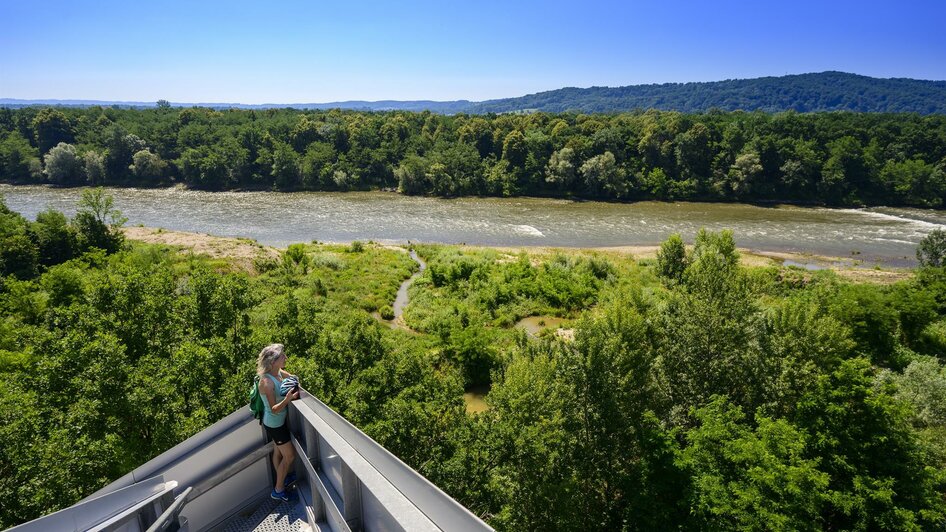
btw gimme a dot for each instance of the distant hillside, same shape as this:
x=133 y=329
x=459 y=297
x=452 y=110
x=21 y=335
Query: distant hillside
x=825 y=91
x=451 y=107
x=447 y=108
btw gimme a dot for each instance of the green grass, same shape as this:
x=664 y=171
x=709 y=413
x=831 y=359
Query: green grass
x=366 y=280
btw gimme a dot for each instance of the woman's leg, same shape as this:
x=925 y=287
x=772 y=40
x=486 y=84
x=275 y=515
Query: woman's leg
x=277 y=457
x=287 y=456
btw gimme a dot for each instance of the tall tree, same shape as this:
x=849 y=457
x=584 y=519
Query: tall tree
x=52 y=127
x=63 y=166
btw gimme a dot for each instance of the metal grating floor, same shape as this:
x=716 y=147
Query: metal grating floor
x=269 y=516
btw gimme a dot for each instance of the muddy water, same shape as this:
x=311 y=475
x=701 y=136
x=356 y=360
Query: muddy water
x=475 y=399
x=533 y=325
x=874 y=235
x=401 y=300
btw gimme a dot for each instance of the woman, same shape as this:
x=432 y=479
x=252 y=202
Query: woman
x=270 y=366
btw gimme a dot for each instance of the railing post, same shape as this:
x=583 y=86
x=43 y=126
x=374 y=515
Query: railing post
x=151 y=514
x=308 y=439
x=311 y=441
x=351 y=496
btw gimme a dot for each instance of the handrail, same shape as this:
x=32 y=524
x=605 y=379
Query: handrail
x=179 y=452
x=214 y=480
x=119 y=519
x=165 y=521
x=222 y=469
x=93 y=512
x=445 y=512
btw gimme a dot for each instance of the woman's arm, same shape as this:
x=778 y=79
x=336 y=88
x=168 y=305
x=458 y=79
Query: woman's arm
x=266 y=386
x=283 y=374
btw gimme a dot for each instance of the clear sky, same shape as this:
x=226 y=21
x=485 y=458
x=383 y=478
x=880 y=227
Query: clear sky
x=281 y=51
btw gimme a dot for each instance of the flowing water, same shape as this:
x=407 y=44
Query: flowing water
x=874 y=235
x=400 y=301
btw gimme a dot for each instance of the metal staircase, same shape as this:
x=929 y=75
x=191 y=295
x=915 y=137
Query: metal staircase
x=220 y=479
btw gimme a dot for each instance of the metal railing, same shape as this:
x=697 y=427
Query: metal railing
x=373 y=482
x=168 y=521
x=347 y=481
x=132 y=507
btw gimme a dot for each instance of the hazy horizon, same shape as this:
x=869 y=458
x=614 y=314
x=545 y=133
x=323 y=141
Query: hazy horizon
x=296 y=52
x=92 y=101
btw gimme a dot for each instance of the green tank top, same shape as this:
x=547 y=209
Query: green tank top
x=270 y=419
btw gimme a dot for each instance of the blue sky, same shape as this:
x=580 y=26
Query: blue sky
x=293 y=52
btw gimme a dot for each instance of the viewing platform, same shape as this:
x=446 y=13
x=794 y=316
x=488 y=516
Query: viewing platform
x=220 y=480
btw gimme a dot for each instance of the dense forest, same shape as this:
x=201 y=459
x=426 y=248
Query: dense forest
x=829 y=158
x=804 y=93
x=691 y=392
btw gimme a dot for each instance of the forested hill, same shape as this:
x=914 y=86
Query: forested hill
x=825 y=91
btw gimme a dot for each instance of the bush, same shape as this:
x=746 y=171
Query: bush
x=933 y=337
x=98 y=223
x=318 y=287
x=327 y=260
x=63 y=166
x=64 y=285
x=55 y=239
x=295 y=258
x=356 y=247
x=672 y=259
x=874 y=324
x=18 y=257
x=264 y=264
x=931 y=251
x=387 y=312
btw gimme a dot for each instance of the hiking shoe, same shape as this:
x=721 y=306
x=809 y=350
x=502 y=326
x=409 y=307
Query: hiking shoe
x=284 y=496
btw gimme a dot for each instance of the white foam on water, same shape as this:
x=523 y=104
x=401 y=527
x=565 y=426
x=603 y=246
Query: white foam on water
x=893 y=217
x=895 y=240
x=528 y=230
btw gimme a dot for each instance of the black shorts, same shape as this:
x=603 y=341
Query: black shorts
x=279 y=435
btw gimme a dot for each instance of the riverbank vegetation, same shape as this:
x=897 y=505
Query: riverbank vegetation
x=695 y=393
x=825 y=158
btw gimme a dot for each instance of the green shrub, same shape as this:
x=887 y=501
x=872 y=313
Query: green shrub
x=264 y=264
x=931 y=252
x=933 y=338
x=64 y=285
x=296 y=253
x=327 y=260
x=672 y=259
x=318 y=287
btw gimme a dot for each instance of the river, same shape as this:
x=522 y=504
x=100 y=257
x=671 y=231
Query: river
x=874 y=235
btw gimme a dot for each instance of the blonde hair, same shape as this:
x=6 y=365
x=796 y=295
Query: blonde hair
x=269 y=354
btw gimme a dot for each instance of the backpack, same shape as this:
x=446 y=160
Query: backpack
x=256 y=401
